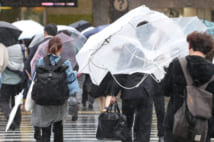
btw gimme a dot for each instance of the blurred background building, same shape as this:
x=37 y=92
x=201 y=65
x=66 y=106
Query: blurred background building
x=99 y=12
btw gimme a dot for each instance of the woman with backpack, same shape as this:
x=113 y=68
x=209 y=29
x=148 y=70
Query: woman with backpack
x=174 y=83
x=49 y=111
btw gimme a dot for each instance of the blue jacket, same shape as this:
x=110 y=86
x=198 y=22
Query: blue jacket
x=71 y=75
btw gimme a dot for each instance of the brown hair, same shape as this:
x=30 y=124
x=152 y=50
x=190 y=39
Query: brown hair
x=54 y=45
x=201 y=41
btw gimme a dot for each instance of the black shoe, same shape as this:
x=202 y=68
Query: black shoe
x=161 y=139
x=90 y=106
x=74 y=118
x=12 y=127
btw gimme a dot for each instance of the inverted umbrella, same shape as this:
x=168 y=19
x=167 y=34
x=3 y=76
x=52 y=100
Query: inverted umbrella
x=140 y=41
x=8 y=33
x=68 y=50
x=29 y=28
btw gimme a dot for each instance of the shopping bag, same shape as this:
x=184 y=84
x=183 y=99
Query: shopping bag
x=112 y=125
x=29 y=101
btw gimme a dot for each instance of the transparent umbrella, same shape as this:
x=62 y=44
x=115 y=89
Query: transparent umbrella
x=140 y=41
x=68 y=50
x=190 y=24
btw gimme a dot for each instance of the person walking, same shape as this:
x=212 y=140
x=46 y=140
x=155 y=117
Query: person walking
x=47 y=116
x=11 y=82
x=137 y=103
x=174 y=83
x=50 y=30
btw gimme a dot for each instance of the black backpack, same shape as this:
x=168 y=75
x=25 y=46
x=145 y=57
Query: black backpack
x=50 y=86
x=191 y=119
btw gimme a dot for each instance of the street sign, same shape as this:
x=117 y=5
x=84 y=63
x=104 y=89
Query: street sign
x=39 y=3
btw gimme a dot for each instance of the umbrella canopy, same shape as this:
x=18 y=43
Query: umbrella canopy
x=210 y=26
x=80 y=25
x=190 y=24
x=94 y=30
x=68 y=50
x=140 y=41
x=79 y=39
x=87 y=29
x=29 y=28
x=8 y=33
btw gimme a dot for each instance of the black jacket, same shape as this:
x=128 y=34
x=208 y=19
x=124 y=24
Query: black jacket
x=147 y=87
x=103 y=89
x=174 y=83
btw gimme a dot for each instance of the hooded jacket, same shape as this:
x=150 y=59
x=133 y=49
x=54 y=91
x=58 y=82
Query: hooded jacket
x=174 y=83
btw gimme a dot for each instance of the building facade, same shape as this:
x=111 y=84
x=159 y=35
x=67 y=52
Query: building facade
x=99 y=12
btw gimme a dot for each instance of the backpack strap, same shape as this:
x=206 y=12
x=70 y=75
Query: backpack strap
x=48 y=63
x=47 y=60
x=59 y=63
x=23 y=52
x=183 y=63
x=204 y=86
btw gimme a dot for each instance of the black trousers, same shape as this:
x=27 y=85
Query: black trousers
x=44 y=134
x=7 y=93
x=160 y=112
x=139 y=115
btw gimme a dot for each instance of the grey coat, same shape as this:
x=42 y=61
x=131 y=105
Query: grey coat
x=41 y=116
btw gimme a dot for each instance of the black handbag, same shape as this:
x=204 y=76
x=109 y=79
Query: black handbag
x=112 y=125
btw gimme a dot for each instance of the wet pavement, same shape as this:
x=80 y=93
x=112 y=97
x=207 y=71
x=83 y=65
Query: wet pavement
x=83 y=130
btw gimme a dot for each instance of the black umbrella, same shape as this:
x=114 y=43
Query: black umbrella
x=8 y=33
x=80 y=25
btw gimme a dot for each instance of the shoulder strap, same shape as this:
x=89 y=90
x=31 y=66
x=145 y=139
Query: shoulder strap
x=183 y=63
x=23 y=52
x=48 y=63
x=187 y=76
x=204 y=86
x=60 y=62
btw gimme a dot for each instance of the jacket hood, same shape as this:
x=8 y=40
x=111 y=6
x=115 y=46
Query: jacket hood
x=200 y=69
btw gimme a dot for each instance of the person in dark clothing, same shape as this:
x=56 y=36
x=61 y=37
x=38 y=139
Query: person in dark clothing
x=102 y=92
x=160 y=112
x=174 y=83
x=137 y=103
x=86 y=93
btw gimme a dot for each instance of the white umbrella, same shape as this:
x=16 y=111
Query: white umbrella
x=29 y=28
x=125 y=48
x=18 y=101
